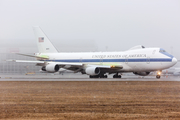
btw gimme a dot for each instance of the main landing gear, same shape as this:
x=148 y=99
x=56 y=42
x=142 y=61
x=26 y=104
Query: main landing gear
x=116 y=76
x=98 y=76
x=104 y=76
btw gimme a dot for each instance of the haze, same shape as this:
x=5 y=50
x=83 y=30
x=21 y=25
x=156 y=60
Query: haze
x=92 y=25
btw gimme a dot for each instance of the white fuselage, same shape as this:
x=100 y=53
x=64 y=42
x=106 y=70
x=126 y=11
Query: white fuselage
x=148 y=59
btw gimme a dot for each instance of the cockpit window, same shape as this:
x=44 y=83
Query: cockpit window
x=162 y=51
x=165 y=53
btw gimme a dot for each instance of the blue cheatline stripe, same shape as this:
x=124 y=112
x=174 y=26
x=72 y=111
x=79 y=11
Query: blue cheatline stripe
x=115 y=60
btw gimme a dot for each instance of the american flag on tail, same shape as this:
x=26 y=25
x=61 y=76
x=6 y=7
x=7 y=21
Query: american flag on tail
x=41 y=39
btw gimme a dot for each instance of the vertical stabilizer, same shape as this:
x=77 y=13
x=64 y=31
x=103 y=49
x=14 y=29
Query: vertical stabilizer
x=43 y=43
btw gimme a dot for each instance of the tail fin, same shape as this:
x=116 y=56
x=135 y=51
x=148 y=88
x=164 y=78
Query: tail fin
x=43 y=43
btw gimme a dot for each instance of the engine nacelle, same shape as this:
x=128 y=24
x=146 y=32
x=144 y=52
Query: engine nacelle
x=50 y=68
x=141 y=73
x=92 y=71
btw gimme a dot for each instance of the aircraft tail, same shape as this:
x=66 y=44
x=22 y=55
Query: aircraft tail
x=43 y=43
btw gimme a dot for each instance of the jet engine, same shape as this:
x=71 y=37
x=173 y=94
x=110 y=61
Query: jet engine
x=50 y=68
x=141 y=73
x=92 y=70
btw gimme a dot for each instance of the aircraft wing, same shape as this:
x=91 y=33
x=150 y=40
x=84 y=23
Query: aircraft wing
x=25 y=61
x=76 y=67
x=42 y=63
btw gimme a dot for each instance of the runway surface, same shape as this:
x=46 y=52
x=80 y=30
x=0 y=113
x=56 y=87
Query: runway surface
x=79 y=77
x=90 y=99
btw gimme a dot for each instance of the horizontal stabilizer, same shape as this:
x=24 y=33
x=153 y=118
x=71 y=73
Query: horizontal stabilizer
x=38 y=57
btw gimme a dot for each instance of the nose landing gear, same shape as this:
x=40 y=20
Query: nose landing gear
x=158 y=76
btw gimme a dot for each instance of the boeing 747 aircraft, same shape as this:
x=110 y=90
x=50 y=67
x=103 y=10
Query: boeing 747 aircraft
x=139 y=60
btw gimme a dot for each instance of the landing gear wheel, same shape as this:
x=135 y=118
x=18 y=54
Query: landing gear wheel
x=91 y=76
x=98 y=76
x=116 y=76
x=105 y=76
x=158 y=76
x=102 y=76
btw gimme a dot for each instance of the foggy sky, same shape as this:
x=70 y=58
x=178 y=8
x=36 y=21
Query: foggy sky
x=88 y=25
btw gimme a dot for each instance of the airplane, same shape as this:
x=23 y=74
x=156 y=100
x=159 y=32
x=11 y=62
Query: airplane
x=139 y=60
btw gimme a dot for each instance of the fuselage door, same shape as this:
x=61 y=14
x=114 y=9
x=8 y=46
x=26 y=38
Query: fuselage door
x=80 y=60
x=126 y=60
x=101 y=61
x=148 y=60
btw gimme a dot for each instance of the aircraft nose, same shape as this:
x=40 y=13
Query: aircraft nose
x=174 y=60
